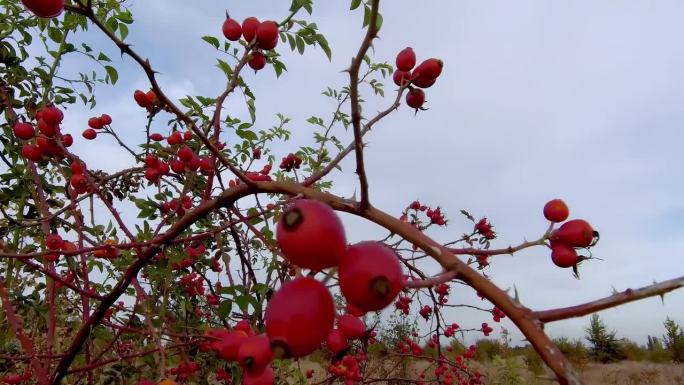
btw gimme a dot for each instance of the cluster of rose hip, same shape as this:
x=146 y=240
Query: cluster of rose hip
x=264 y=35
x=434 y=215
x=300 y=316
x=96 y=123
x=571 y=235
x=423 y=76
x=49 y=141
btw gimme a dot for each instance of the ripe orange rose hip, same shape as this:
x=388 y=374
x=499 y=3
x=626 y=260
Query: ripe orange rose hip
x=370 y=275
x=299 y=317
x=311 y=235
x=556 y=210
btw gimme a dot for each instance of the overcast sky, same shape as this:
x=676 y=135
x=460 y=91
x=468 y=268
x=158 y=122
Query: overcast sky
x=579 y=100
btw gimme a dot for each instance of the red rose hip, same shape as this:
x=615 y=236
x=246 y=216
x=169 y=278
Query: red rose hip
x=311 y=235
x=299 y=317
x=370 y=275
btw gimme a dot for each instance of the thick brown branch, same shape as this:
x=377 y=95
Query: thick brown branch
x=371 y=33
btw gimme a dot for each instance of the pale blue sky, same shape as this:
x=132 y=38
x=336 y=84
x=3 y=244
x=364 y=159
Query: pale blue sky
x=580 y=100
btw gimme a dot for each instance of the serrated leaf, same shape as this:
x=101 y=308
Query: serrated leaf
x=211 y=40
x=225 y=67
x=113 y=75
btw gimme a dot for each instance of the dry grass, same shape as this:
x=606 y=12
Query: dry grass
x=622 y=373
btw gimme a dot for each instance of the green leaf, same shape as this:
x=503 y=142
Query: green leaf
x=211 y=40
x=225 y=67
x=113 y=75
x=355 y=4
x=123 y=31
x=103 y=57
x=249 y=135
x=300 y=44
x=324 y=46
x=224 y=308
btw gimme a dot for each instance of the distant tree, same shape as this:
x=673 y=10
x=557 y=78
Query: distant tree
x=674 y=340
x=656 y=351
x=604 y=345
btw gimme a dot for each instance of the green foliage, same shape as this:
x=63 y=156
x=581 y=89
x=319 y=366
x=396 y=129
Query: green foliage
x=604 y=345
x=573 y=350
x=487 y=349
x=656 y=351
x=507 y=371
x=674 y=340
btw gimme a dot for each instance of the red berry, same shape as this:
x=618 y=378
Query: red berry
x=267 y=32
x=151 y=97
x=263 y=378
x=370 y=275
x=249 y=28
x=422 y=82
x=175 y=138
x=336 y=342
x=401 y=77
x=299 y=316
x=352 y=327
x=229 y=345
x=32 y=153
x=574 y=233
x=54 y=242
x=96 y=123
x=89 y=134
x=430 y=68
x=46 y=128
x=23 y=131
x=232 y=29
x=177 y=166
x=556 y=210
x=78 y=181
x=415 y=98
x=152 y=174
x=141 y=98
x=355 y=311
x=564 y=256
x=106 y=119
x=52 y=115
x=311 y=235
x=406 y=59
x=256 y=153
x=244 y=326
x=187 y=135
x=163 y=168
x=151 y=161
x=45 y=8
x=157 y=137
x=67 y=140
x=255 y=353
x=258 y=61
x=76 y=168
x=269 y=45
